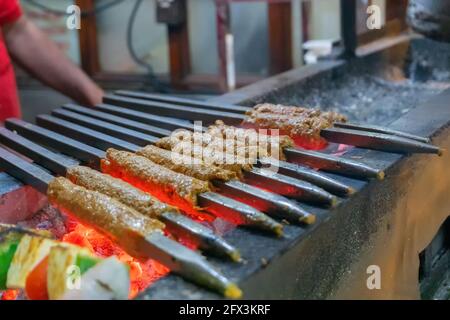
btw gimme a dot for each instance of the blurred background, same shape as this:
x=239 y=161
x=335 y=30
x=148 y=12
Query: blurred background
x=184 y=45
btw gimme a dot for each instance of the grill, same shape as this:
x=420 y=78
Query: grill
x=352 y=201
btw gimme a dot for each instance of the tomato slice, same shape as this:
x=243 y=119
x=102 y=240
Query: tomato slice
x=36 y=284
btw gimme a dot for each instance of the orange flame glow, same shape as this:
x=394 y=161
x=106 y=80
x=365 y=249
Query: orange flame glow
x=10 y=295
x=142 y=274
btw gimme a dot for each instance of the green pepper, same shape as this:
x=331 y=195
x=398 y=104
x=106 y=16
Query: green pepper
x=85 y=262
x=7 y=251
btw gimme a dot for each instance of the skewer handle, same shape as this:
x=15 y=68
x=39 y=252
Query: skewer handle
x=379 y=129
x=65 y=145
x=25 y=171
x=40 y=155
x=121 y=121
x=378 y=141
x=332 y=163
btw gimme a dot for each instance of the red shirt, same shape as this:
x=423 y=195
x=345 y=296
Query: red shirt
x=9 y=101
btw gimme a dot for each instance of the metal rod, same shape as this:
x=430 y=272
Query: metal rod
x=119 y=132
x=379 y=129
x=88 y=136
x=332 y=163
x=40 y=155
x=207 y=240
x=130 y=124
x=63 y=144
x=163 y=122
x=378 y=141
x=25 y=171
x=240 y=212
x=182 y=101
x=289 y=187
x=188 y=264
x=273 y=204
x=164 y=109
x=309 y=175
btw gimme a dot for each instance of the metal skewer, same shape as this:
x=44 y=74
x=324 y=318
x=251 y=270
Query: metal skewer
x=165 y=109
x=332 y=163
x=179 y=259
x=309 y=175
x=379 y=129
x=163 y=122
x=378 y=141
x=177 y=223
x=121 y=121
x=181 y=101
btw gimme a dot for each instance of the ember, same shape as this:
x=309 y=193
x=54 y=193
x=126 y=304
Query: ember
x=142 y=274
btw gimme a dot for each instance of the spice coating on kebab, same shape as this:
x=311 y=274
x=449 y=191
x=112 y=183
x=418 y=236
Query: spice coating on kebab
x=182 y=141
x=152 y=176
x=119 y=222
x=251 y=137
x=185 y=164
x=294 y=121
x=119 y=190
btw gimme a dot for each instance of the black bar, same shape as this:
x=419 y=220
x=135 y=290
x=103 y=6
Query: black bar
x=63 y=144
x=378 y=141
x=121 y=121
x=231 y=209
x=273 y=204
x=24 y=171
x=379 y=129
x=164 y=109
x=182 y=101
x=331 y=163
x=40 y=155
x=88 y=136
x=129 y=135
x=289 y=187
x=163 y=122
x=309 y=175
x=186 y=263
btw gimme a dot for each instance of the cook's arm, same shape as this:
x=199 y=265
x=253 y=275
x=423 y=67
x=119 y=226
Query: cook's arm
x=36 y=53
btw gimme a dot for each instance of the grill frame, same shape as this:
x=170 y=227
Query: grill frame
x=339 y=237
